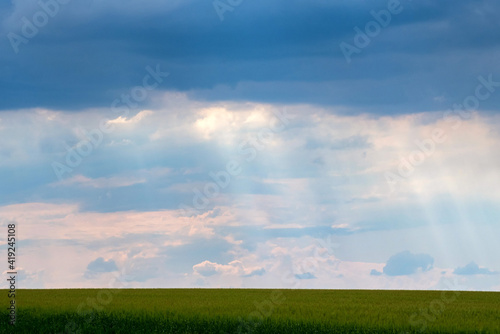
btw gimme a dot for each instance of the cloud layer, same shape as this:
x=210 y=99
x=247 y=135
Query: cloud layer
x=280 y=51
x=165 y=143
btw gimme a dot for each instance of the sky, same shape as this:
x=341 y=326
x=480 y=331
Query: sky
x=251 y=144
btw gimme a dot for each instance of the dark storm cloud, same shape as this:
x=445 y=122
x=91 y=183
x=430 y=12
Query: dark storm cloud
x=92 y=51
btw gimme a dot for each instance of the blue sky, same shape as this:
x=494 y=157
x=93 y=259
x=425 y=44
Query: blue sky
x=294 y=144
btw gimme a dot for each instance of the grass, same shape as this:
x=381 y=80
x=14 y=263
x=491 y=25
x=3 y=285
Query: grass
x=252 y=311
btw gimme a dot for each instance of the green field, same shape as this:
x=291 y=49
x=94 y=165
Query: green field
x=252 y=311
